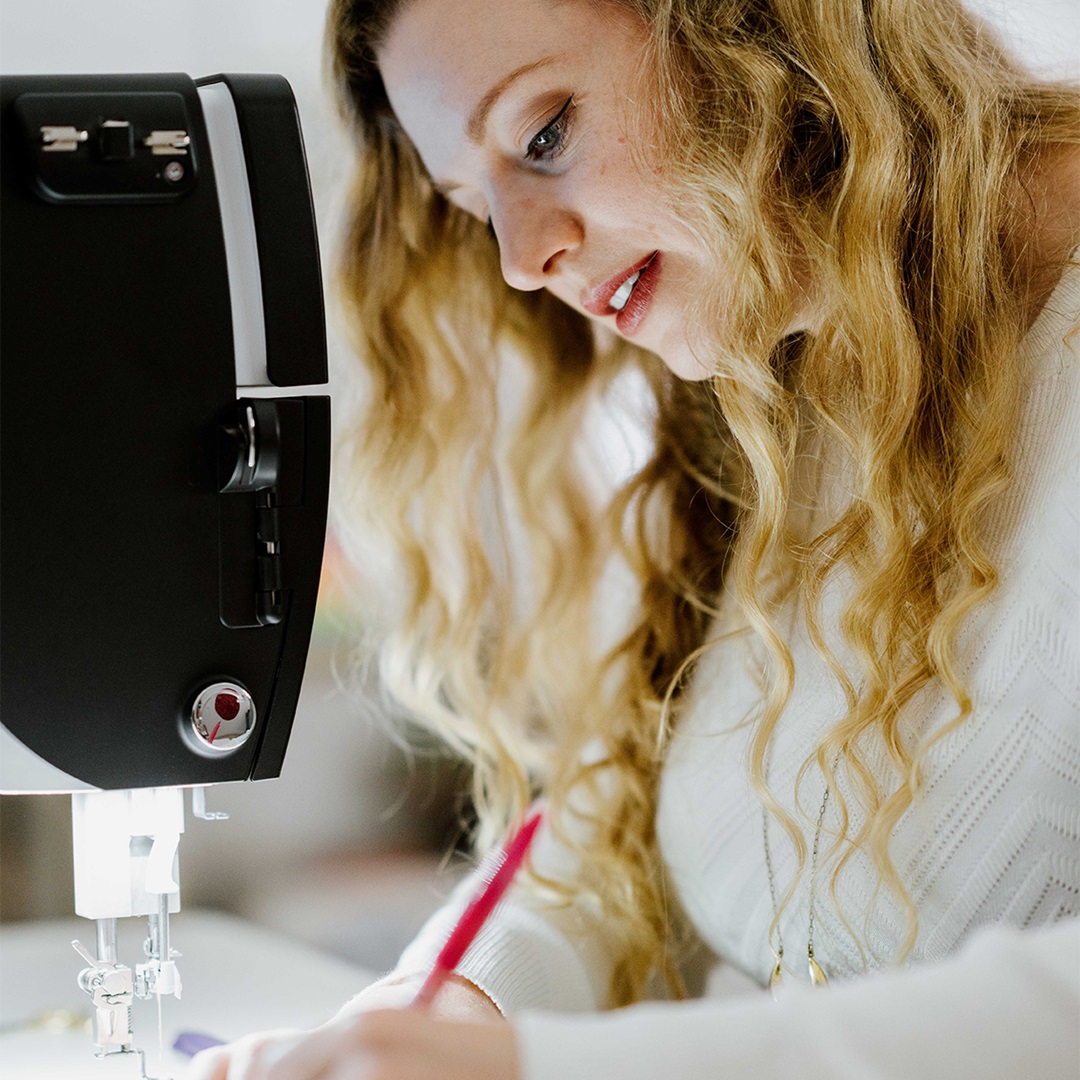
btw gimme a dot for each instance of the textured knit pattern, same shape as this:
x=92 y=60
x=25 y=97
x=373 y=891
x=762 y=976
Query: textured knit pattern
x=992 y=841
x=994 y=837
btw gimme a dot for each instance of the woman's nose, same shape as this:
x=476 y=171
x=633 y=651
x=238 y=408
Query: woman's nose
x=534 y=234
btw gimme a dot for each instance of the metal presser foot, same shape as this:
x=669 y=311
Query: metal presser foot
x=114 y=986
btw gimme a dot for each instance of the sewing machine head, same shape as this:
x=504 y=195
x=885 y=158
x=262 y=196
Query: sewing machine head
x=166 y=463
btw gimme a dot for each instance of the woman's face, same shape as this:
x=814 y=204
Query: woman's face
x=521 y=111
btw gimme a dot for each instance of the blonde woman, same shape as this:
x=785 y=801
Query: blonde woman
x=806 y=686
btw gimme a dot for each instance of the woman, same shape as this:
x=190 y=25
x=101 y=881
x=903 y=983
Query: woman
x=805 y=686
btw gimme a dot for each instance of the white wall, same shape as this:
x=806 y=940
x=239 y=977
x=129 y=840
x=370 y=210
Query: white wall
x=203 y=36
x=1046 y=33
x=199 y=37
x=196 y=36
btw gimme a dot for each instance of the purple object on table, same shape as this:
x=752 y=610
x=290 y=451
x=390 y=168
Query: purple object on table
x=191 y=1043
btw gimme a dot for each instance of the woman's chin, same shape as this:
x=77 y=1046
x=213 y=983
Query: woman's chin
x=683 y=362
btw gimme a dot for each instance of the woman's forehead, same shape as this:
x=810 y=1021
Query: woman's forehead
x=455 y=50
x=445 y=63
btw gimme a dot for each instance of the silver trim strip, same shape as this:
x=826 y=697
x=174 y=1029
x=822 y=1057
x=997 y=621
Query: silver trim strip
x=306 y=390
x=241 y=244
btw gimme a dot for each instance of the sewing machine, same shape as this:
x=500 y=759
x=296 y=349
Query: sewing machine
x=165 y=444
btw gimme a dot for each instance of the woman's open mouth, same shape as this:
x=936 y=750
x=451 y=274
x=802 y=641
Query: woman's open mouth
x=633 y=297
x=627 y=295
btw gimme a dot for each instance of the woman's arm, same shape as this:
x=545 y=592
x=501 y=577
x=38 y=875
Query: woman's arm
x=1007 y=1007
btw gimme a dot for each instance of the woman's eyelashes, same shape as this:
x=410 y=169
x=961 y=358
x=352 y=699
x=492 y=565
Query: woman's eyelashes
x=548 y=143
x=545 y=146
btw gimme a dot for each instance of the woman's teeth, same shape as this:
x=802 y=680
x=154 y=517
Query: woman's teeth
x=618 y=301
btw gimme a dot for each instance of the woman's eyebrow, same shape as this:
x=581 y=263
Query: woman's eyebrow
x=477 y=122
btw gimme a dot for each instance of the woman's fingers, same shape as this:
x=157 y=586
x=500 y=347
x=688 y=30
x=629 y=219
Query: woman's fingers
x=249 y=1058
x=365 y=1043
x=390 y=1044
x=335 y=1051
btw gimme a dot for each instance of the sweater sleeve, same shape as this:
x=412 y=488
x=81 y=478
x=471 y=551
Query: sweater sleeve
x=530 y=953
x=1006 y=1007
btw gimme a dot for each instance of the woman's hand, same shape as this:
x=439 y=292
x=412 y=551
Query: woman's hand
x=462 y=1038
x=391 y=1044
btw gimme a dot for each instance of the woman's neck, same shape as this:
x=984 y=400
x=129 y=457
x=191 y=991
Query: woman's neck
x=1048 y=224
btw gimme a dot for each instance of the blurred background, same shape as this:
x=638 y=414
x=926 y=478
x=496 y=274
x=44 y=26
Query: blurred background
x=347 y=850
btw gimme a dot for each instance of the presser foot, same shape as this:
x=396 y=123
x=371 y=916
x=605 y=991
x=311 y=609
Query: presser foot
x=113 y=987
x=137 y=1056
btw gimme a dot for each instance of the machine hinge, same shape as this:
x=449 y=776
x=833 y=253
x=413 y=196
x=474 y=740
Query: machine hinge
x=268 y=598
x=62 y=137
x=168 y=142
x=250 y=463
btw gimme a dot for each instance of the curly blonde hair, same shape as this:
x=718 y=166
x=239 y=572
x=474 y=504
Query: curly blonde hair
x=888 y=142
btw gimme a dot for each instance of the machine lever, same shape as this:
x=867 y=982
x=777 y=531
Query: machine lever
x=84 y=952
x=198 y=807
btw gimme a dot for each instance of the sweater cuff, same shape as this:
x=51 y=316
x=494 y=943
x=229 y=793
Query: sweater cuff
x=521 y=961
x=522 y=958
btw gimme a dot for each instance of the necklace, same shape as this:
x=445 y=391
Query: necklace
x=818 y=978
x=817 y=974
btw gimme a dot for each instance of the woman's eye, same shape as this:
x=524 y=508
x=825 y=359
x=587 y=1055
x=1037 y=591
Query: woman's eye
x=549 y=142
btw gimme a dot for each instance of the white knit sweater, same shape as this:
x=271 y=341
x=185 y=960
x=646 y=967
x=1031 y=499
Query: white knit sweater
x=991 y=847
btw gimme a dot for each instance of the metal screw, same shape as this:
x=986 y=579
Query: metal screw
x=173 y=172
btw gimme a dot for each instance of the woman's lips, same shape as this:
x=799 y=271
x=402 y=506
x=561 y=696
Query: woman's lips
x=629 y=319
x=597 y=301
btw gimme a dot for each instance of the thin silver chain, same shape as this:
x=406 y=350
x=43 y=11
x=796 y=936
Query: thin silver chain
x=813 y=874
x=772 y=882
x=818 y=468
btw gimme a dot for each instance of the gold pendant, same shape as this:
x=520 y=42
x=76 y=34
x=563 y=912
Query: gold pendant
x=776 y=981
x=817 y=975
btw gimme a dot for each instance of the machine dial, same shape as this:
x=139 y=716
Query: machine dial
x=222 y=717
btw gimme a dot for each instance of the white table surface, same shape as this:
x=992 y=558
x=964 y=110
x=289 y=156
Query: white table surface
x=237 y=978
